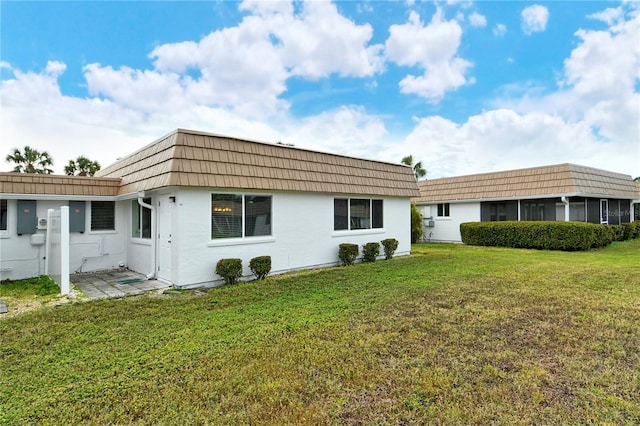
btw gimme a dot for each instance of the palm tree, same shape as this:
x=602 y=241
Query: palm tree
x=81 y=166
x=31 y=161
x=418 y=170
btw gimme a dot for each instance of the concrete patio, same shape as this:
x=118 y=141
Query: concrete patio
x=114 y=284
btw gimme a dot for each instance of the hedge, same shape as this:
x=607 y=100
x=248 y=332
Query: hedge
x=347 y=253
x=542 y=235
x=229 y=269
x=260 y=266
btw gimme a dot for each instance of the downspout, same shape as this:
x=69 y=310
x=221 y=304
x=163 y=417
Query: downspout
x=141 y=202
x=565 y=201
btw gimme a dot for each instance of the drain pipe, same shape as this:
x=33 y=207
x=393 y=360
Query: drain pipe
x=141 y=202
x=565 y=201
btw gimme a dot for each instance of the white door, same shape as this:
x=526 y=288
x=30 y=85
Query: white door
x=164 y=253
x=604 y=211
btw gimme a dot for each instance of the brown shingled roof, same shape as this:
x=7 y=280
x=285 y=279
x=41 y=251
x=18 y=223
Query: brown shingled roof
x=189 y=158
x=43 y=184
x=560 y=179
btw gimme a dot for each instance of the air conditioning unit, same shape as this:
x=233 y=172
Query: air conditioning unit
x=42 y=223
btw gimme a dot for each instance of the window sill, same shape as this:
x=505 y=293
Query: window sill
x=337 y=234
x=141 y=241
x=240 y=241
x=105 y=232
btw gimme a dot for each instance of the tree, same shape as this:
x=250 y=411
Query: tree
x=416 y=224
x=31 y=160
x=81 y=166
x=418 y=170
x=637 y=179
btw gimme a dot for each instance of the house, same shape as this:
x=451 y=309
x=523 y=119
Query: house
x=564 y=192
x=172 y=209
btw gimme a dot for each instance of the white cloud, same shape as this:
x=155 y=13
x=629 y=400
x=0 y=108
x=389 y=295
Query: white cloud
x=534 y=19
x=498 y=140
x=245 y=67
x=499 y=30
x=105 y=130
x=477 y=20
x=594 y=119
x=609 y=16
x=434 y=48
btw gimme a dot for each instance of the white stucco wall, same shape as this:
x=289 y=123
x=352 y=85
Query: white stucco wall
x=447 y=229
x=88 y=251
x=302 y=234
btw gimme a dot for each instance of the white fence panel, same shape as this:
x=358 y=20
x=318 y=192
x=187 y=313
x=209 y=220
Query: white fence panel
x=57 y=254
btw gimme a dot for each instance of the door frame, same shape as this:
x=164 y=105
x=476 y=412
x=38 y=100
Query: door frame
x=165 y=220
x=604 y=214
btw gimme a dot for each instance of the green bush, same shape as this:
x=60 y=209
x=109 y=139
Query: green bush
x=229 y=269
x=416 y=224
x=631 y=230
x=389 y=245
x=603 y=236
x=260 y=266
x=542 y=235
x=348 y=253
x=370 y=252
x=618 y=232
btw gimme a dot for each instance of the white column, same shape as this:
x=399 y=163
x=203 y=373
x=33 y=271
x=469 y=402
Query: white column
x=64 y=250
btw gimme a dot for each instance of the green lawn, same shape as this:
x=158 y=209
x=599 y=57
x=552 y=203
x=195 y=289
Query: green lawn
x=450 y=335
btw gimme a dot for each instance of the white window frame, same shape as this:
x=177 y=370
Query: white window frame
x=446 y=210
x=140 y=209
x=349 y=229
x=243 y=238
x=5 y=232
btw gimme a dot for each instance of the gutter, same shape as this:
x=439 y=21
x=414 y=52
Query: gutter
x=141 y=202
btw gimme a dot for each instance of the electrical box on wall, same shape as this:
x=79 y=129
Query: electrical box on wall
x=42 y=223
x=37 y=239
x=27 y=221
x=76 y=216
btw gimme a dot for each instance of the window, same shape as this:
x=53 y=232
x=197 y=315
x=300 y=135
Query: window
x=140 y=219
x=103 y=215
x=357 y=213
x=237 y=216
x=533 y=211
x=497 y=212
x=3 y=215
x=443 y=210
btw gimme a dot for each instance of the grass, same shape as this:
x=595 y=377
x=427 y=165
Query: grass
x=30 y=287
x=452 y=334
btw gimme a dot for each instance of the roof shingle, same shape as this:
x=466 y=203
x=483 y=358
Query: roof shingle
x=189 y=158
x=559 y=179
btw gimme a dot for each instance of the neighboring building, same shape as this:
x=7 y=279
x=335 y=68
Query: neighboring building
x=175 y=207
x=564 y=192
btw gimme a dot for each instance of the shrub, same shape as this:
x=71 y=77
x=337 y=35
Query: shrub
x=416 y=224
x=618 y=232
x=603 y=236
x=260 y=266
x=348 y=253
x=568 y=236
x=389 y=245
x=370 y=252
x=229 y=269
x=629 y=230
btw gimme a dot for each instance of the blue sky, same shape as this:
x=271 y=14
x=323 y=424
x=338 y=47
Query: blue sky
x=464 y=86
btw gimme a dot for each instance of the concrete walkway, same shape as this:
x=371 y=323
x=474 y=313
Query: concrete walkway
x=114 y=284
